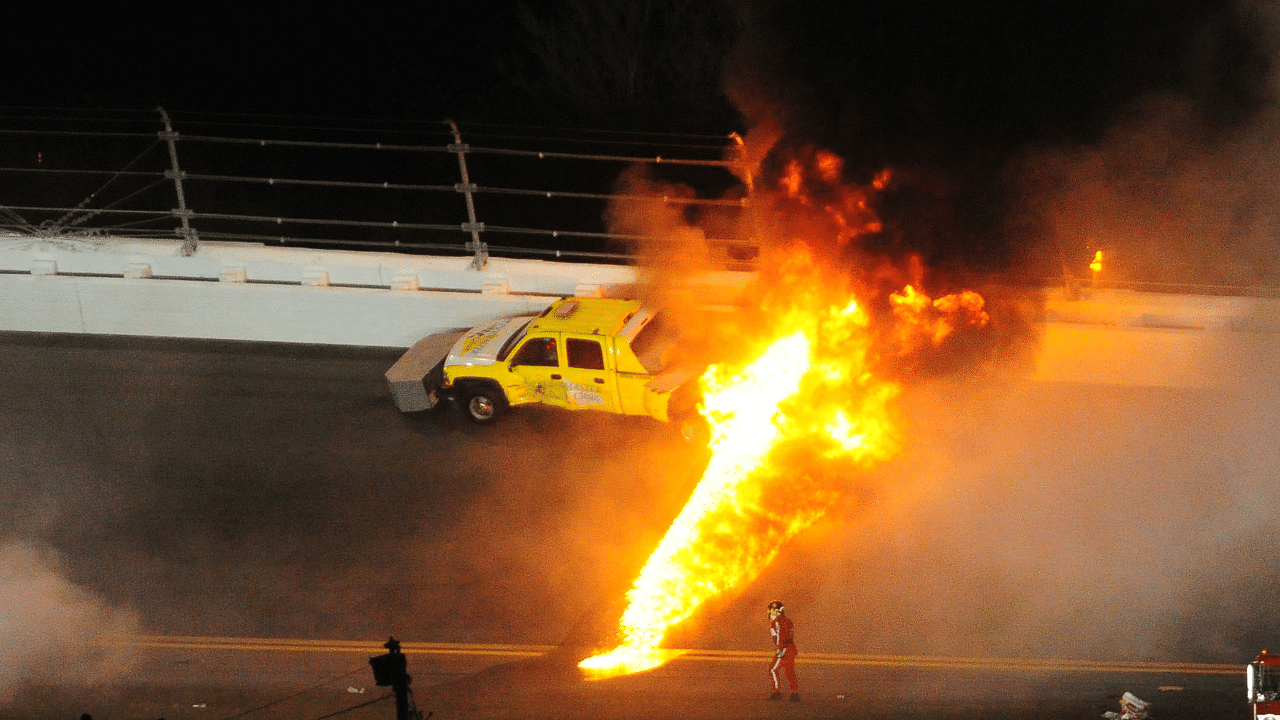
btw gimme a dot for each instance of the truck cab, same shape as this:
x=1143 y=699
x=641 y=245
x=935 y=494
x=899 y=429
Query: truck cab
x=603 y=354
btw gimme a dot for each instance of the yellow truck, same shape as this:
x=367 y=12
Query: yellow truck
x=604 y=354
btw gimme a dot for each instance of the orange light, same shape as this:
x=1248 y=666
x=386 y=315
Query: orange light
x=923 y=318
x=792 y=180
x=1096 y=265
x=829 y=166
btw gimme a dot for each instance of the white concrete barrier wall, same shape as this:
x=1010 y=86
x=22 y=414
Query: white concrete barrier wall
x=1157 y=357
x=245 y=311
x=258 y=263
x=248 y=292
x=230 y=291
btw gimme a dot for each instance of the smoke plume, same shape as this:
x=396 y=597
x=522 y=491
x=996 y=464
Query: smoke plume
x=51 y=630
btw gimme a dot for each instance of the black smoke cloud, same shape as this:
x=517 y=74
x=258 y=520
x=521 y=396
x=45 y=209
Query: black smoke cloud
x=955 y=97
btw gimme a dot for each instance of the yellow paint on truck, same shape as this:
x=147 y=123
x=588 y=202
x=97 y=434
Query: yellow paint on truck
x=578 y=354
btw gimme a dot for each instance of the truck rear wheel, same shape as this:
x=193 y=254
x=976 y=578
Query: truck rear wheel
x=694 y=429
x=482 y=406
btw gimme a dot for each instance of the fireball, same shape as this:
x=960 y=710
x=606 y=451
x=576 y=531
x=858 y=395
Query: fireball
x=790 y=428
x=799 y=419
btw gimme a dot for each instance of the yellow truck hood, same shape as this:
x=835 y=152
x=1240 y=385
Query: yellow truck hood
x=479 y=347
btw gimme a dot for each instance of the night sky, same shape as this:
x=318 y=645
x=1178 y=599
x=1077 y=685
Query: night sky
x=337 y=59
x=916 y=73
x=956 y=96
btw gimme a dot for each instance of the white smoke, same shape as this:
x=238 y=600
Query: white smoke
x=51 y=630
x=1055 y=520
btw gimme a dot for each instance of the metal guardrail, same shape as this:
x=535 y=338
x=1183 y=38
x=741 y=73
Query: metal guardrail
x=295 y=178
x=399 y=186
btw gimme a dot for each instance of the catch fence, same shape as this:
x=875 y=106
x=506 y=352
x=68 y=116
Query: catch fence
x=416 y=187
x=403 y=186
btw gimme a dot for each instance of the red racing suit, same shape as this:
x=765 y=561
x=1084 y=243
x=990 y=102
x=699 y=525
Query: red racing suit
x=784 y=642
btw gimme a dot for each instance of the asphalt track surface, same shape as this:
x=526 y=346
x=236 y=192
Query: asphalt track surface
x=234 y=493
x=242 y=677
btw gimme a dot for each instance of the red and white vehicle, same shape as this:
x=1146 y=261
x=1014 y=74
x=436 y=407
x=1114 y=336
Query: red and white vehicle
x=1263 y=679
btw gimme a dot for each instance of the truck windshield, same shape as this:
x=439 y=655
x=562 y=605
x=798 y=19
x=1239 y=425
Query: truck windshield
x=512 y=341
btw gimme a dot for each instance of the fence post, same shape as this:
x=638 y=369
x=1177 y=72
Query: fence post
x=190 y=240
x=466 y=187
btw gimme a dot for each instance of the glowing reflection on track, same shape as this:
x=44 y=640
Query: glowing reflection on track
x=373 y=647
x=185 y=642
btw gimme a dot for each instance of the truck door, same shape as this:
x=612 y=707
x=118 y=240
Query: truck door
x=590 y=384
x=537 y=362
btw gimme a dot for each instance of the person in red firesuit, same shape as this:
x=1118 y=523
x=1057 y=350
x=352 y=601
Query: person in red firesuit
x=784 y=643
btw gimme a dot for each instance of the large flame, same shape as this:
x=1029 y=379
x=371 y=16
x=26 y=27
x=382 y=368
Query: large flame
x=793 y=422
x=789 y=430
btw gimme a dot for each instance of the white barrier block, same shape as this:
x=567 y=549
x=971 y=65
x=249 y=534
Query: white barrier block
x=316 y=279
x=233 y=274
x=495 y=286
x=405 y=282
x=138 y=271
x=591 y=290
x=44 y=267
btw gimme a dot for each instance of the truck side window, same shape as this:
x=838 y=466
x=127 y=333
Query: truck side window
x=539 y=351
x=585 y=354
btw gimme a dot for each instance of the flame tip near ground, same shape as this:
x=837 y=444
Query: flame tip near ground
x=625 y=660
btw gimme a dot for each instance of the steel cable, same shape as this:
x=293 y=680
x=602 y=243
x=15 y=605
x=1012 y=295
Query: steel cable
x=62 y=222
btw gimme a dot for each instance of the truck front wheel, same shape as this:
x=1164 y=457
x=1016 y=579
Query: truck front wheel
x=482 y=406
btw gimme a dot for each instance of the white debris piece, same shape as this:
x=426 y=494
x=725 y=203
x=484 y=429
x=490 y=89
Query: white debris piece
x=1131 y=709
